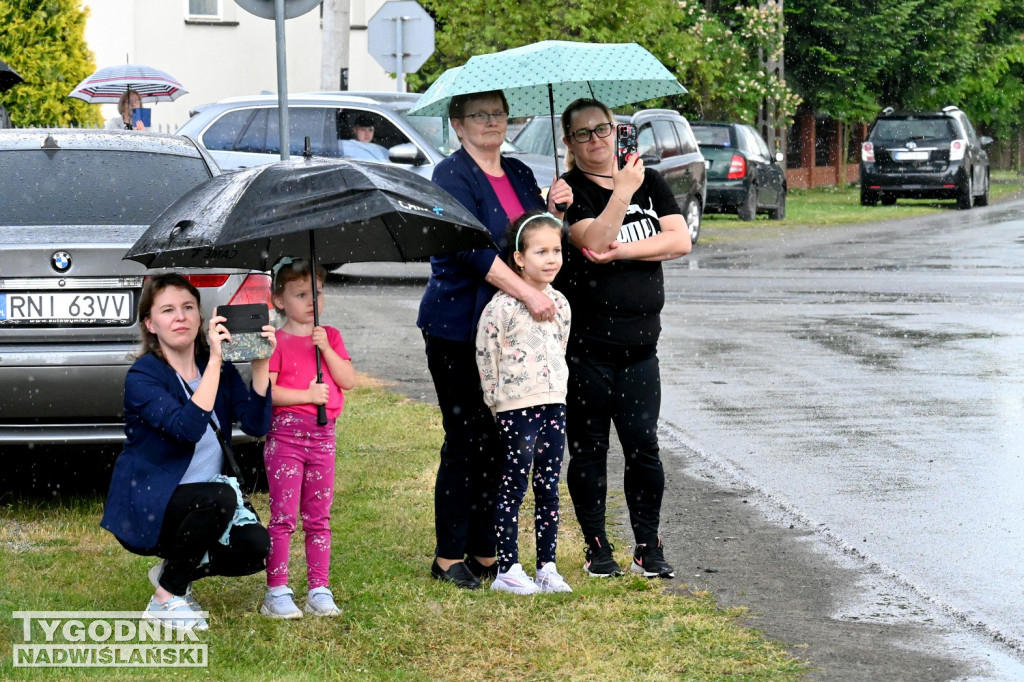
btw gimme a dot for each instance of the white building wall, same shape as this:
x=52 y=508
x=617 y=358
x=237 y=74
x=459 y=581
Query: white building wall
x=364 y=71
x=232 y=57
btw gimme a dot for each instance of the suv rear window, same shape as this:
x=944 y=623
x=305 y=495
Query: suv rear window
x=940 y=128
x=65 y=188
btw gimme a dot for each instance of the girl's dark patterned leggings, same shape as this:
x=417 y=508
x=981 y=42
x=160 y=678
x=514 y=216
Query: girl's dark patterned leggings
x=532 y=436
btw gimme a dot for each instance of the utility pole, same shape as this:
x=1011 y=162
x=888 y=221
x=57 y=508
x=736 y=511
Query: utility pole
x=335 y=23
x=768 y=114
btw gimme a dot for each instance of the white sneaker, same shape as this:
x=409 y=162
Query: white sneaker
x=515 y=581
x=154 y=579
x=278 y=603
x=548 y=579
x=320 y=602
x=175 y=613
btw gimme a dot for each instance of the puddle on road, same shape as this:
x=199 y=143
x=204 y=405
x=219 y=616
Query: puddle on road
x=876 y=344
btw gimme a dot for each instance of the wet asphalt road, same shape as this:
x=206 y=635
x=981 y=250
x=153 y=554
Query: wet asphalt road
x=842 y=433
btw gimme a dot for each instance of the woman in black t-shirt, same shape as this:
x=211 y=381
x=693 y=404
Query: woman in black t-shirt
x=622 y=223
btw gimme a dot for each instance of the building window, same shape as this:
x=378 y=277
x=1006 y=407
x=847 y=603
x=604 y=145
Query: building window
x=204 y=9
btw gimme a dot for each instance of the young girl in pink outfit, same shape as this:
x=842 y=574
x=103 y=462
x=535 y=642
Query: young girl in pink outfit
x=300 y=454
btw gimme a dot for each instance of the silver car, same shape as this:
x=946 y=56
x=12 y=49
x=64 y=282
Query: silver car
x=71 y=204
x=243 y=131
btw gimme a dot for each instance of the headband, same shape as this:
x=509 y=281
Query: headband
x=285 y=261
x=527 y=222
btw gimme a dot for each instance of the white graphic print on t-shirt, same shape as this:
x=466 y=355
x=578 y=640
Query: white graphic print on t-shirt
x=642 y=227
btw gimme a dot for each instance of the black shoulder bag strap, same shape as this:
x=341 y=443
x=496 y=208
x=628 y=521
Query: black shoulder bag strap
x=225 y=444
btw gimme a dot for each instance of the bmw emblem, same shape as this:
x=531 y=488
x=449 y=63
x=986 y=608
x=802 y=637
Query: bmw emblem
x=60 y=261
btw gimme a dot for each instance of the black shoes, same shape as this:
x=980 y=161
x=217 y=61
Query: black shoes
x=649 y=561
x=458 y=574
x=600 y=563
x=481 y=571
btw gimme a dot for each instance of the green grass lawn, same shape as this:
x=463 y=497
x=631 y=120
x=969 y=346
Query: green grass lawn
x=824 y=207
x=397 y=624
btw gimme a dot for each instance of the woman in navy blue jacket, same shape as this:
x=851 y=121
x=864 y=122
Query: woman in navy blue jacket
x=497 y=190
x=164 y=499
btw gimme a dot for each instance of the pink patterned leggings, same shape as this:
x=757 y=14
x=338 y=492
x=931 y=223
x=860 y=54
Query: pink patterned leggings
x=300 y=470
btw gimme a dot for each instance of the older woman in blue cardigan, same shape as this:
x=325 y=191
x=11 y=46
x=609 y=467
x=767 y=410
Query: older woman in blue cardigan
x=497 y=190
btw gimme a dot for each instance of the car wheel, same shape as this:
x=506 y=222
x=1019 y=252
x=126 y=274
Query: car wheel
x=779 y=212
x=748 y=209
x=868 y=198
x=693 y=217
x=982 y=199
x=887 y=199
x=965 y=195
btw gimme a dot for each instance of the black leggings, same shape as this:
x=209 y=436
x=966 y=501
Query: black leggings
x=467 y=478
x=196 y=517
x=621 y=386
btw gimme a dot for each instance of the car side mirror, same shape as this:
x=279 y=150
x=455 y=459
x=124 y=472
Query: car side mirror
x=406 y=153
x=986 y=140
x=650 y=159
x=779 y=157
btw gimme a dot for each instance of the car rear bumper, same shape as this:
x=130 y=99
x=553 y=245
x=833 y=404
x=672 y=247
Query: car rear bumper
x=37 y=406
x=921 y=185
x=725 y=195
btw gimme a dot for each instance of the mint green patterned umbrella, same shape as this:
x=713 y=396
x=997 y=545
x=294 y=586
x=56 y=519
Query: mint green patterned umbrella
x=546 y=77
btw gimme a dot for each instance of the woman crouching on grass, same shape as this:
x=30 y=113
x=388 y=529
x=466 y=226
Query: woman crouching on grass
x=169 y=495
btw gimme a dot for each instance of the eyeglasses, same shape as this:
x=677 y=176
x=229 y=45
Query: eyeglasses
x=583 y=134
x=481 y=117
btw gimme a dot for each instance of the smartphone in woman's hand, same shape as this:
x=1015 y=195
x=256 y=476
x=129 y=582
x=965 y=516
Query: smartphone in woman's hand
x=245 y=322
x=625 y=139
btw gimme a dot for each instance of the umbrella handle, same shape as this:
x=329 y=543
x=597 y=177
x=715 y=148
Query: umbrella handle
x=321 y=410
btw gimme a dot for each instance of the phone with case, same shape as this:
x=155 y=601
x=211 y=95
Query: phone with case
x=625 y=141
x=245 y=322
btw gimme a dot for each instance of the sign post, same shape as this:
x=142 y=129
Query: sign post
x=279 y=10
x=403 y=47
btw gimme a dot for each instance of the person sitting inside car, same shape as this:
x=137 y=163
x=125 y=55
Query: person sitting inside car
x=363 y=146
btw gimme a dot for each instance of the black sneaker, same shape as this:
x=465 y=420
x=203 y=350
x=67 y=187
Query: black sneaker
x=458 y=575
x=649 y=561
x=600 y=562
x=481 y=571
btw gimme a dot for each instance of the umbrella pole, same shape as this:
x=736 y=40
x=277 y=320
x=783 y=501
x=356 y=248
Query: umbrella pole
x=554 y=142
x=321 y=410
x=554 y=138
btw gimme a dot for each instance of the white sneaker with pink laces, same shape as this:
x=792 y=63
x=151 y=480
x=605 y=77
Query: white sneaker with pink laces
x=515 y=580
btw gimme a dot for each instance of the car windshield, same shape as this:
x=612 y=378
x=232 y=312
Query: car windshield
x=93 y=187
x=430 y=127
x=914 y=129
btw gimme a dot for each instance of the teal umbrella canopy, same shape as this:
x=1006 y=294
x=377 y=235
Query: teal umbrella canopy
x=546 y=77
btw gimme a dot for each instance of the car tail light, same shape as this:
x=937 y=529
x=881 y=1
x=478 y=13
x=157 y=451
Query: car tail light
x=957 y=149
x=255 y=289
x=207 y=281
x=867 y=152
x=737 y=168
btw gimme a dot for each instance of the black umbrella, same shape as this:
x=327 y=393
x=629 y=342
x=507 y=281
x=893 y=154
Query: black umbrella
x=8 y=76
x=340 y=211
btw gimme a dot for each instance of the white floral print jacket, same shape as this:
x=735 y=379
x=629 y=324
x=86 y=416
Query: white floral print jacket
x=521 y=360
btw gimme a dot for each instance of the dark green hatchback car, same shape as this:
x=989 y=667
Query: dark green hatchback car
x=743 y=175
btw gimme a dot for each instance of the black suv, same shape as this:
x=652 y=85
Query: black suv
x=924 y=155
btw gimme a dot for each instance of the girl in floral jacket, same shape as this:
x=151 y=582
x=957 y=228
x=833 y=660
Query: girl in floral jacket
x=524 y=375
